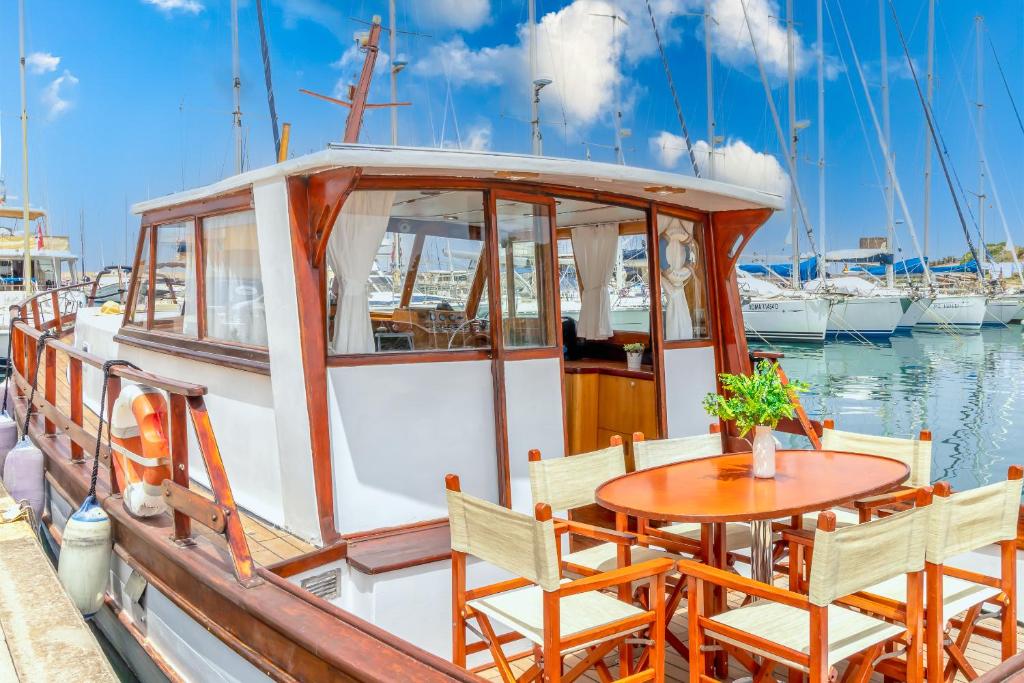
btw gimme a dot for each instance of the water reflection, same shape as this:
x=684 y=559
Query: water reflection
x=965 y=388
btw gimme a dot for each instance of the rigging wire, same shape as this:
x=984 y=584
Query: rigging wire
x=265 y=50
x=675 y=96
x=1006 y=84
x=936 y=136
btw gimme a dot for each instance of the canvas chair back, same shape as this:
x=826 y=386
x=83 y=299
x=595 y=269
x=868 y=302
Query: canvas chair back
x=648 y=454
x=570 y=482
x=856 y=557
x=973 y=519
x=508 y=539
x=915 y=453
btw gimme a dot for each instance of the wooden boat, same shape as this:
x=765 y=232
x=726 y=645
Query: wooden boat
x=337 y=441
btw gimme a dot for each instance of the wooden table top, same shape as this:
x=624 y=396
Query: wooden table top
x=724 y=489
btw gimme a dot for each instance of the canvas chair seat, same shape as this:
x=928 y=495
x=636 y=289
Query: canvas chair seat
x=522 y=611
x=737 y=534
x=957 y=594
x=849 y=632
x=604 y=557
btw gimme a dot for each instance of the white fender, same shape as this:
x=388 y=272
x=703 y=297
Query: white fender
x=84 y=564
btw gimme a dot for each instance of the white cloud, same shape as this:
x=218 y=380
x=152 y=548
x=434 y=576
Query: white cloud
x=183 y=6
x=735 y=162
x=317 y=11
x=351 y=61
x=575 y=49
x=54 y=97
x=730 y=38
x=479 y=137
x=465 y=15
x=42 y=62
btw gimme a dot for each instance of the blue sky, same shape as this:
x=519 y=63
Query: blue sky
x=132 y=99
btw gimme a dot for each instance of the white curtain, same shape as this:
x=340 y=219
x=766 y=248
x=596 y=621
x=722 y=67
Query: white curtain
x=679 y=239
x=594 y=247
x=234 y=285
x=352 y=250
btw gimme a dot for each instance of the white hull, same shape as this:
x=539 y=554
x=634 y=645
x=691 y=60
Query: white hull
x=963 y=311
x=1000 y=310
x=865 y=316
x=913 y=314
x=786 y=319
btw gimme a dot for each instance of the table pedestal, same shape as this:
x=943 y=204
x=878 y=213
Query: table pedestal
x=761 y=568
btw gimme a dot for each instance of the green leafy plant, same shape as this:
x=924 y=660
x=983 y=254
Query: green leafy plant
x=635 y=347
x=756 y=399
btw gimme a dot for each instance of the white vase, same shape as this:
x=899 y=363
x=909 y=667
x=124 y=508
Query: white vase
x=764 y=452
x=633 y=359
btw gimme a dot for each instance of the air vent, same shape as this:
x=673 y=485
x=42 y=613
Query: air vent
x=326 y=585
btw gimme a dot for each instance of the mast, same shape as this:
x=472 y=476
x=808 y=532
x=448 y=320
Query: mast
x=26 y=273
x=890 y=226
x=534 y=104
x=711 y=88
x=620 y=156
x=794 y=233
x=823 y=263
x=265 y=50
x=930 y=90
x=979 y=28
x=394 y=71
x=236 y=86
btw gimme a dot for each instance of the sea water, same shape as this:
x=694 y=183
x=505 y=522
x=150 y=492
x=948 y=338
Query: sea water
x=967 y=388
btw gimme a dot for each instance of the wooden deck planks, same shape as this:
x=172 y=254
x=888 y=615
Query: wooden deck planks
x=267 y=543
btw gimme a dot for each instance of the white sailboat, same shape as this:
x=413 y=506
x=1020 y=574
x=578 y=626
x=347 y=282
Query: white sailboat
x=771 y=313
x=859 y=308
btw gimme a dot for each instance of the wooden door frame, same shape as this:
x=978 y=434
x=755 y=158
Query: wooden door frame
x=502 y=355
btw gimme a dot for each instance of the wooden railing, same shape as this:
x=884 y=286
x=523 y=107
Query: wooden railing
x=29 y=321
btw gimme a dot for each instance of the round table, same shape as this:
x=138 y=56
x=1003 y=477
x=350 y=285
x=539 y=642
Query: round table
x=723 y=489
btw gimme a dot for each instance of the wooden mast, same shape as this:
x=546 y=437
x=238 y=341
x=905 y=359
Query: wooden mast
x=355 y=115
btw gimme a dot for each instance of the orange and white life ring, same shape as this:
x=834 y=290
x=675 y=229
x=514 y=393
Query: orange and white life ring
x=141 y=448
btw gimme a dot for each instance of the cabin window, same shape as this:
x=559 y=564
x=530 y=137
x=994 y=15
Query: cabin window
x=684 y=290
x=524 y=249
x=174 y=279
x=138 y=307
x=406 y=273
x=233 y=280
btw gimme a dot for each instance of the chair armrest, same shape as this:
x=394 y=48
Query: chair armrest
x=873 y=503
x=500 y=587
x=616 y=577
x=703 y=572
x=799 y=536
x=598 y=533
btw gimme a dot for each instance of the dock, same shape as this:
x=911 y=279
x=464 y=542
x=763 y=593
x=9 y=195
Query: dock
x=43 y=637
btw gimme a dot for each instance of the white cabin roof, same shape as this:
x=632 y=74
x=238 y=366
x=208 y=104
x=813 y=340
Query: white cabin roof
x=698 y=193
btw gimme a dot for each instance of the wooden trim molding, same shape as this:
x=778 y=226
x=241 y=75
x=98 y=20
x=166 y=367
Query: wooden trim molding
x=201 y=350
x=313 y=345
x=326 y=193
x=236 y=201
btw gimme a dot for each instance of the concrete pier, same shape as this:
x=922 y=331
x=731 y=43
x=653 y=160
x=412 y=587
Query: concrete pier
x=43 y=637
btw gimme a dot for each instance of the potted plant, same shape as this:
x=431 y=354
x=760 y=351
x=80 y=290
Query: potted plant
x=634 y=354
x=756 y=401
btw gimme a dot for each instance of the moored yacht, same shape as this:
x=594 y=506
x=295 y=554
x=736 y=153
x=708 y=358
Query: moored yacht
x=952 y=311
x=323 y=426
x=859 y=308
x=773 y=313
x=1003 y=308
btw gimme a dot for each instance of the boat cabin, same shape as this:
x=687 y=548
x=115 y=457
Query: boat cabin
x=368 y=319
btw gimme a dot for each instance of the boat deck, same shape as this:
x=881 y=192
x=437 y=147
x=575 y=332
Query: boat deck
x=267 y=543
x=983 y=654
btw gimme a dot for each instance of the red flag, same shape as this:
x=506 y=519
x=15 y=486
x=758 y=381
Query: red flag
x=39 y=236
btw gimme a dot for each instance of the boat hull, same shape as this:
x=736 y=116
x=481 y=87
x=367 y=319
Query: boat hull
x=913 y=314
x=786 y=319
x=960 y=311
x=1001 y=310
x=871 y=316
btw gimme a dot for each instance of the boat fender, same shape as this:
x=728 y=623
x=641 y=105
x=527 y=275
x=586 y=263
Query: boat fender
x=23 y=475
x=8 y=437
x=84 y=564
x=138 y=430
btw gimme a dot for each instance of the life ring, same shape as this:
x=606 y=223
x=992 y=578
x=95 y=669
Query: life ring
x=140 y=448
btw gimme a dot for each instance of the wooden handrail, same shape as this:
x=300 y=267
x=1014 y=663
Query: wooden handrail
x=186 y=404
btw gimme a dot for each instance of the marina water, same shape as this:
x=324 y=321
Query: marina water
x=967 y=388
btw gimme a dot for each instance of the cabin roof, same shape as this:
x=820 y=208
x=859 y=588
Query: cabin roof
x=698 y=193
x=18 y=212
